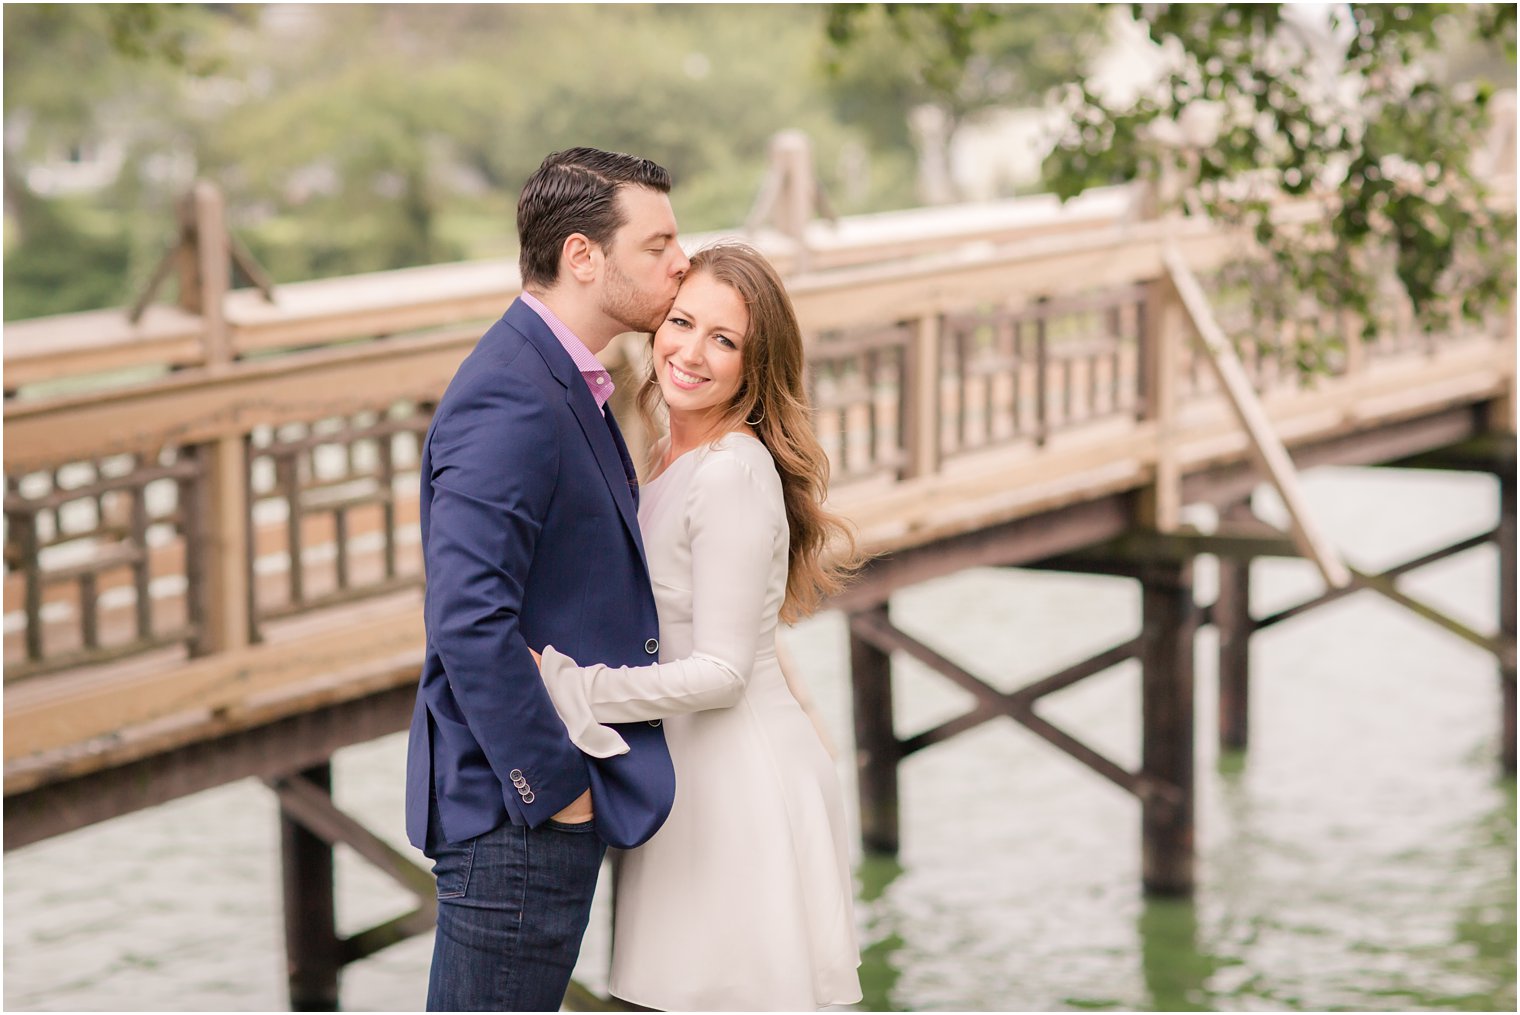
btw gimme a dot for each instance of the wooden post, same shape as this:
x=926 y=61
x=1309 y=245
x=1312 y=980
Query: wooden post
x=205 y=266
x=1506 y=547
x=789 y=194
x=1232 y=619
x=1166 y=665
x=311 y=932
x=1161 y=348
x=792 y=153
x=920 y=399
x=877 y=751
x=205 y=273
x=1041 y=376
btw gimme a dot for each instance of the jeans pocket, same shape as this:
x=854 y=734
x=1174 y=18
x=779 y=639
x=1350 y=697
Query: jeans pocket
x=580 y=826
x=451 y=869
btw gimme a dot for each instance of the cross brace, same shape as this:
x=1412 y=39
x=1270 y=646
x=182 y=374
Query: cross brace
x=1016 y=705
x=314 y=809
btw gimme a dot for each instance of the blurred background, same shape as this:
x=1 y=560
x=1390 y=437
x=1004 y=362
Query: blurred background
x=1364 y=857
x=354 y=138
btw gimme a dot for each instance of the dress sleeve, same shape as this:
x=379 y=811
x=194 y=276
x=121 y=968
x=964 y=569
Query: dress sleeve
x=734 y=522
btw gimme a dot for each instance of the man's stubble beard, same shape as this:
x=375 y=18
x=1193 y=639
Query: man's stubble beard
x=623 y=302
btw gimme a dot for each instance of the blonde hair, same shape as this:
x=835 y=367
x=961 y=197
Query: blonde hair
x=772 y=400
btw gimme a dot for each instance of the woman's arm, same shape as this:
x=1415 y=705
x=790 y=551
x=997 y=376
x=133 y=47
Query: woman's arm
x=734 y=522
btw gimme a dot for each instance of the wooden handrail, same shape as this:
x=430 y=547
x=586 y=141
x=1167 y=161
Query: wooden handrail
x=409 y=299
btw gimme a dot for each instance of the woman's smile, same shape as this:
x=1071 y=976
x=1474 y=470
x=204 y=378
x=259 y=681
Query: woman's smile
x=686 y=380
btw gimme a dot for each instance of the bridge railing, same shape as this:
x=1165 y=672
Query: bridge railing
x=266 y=466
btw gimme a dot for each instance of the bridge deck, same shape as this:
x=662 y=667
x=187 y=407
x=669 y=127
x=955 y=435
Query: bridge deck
x=214 y=573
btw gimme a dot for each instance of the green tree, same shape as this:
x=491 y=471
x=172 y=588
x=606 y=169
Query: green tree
x=78 y=77
x=359 y=137
x=957 y=60
x=1346 y=104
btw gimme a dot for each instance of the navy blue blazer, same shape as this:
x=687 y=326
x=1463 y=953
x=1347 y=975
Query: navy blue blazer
x=530 y=537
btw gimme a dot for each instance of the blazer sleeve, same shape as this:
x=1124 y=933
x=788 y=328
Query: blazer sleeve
x=494 y=466
x=734 y=523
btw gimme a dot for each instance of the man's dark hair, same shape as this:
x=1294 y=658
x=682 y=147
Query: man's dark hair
x=575 y=191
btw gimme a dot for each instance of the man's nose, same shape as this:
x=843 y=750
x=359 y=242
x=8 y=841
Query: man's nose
x=681 y=264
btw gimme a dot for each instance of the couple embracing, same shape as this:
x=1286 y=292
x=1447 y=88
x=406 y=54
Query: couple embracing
x=601 y=658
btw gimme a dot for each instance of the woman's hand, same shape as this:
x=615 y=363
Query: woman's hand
x=579 y=812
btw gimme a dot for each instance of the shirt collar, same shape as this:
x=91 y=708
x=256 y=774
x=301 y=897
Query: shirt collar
x=596 y=376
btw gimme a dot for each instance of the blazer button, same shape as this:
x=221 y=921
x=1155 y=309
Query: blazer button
x=654 y=722
x=528 y=797
x=652 y=646
x=515 y=774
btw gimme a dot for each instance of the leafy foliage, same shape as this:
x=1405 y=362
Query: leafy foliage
x=884 y=60
x=360 y=137
x=1262 y=104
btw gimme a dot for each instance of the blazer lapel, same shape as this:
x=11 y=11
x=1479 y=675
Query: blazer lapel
x=599 y=435
x=627 y=459
x=599 y=430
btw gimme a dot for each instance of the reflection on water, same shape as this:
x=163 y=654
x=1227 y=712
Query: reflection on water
x=1361 y=857
x=880 y=939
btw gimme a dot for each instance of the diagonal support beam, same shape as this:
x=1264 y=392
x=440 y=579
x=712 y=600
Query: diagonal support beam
x=1018 y=705
x=1266 y=447
x=879 y=631
x=366 y=943
x=1384 y=586
x=314 y=809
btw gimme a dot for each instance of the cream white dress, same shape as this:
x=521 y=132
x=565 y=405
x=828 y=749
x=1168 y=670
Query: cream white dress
x=743 y=899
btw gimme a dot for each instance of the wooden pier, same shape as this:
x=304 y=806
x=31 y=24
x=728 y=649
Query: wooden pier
x=211 y=559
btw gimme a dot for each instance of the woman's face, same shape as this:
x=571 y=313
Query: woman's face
x=699 y=350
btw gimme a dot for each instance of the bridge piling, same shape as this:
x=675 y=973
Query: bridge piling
x=312 y=947
x=1232 y=619
x=877 y=751
x=1507 y=578
x=1169 y=622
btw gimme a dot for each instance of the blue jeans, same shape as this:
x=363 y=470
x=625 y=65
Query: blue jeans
x=512 y=908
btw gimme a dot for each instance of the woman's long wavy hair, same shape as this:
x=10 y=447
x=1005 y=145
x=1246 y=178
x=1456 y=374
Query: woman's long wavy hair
x=772 y=399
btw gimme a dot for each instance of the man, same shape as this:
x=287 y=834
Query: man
x=530 y=537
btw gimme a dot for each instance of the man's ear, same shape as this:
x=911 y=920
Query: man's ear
x=581 y=258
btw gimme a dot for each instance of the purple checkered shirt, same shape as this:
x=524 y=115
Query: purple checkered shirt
x=596 y=376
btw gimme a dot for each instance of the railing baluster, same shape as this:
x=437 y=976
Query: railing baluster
x=388 y=504
x=24 y=525
x=141 y=567
x=290 y=482
x=89 y=610
x=192 y=529
x=1042 y=376
x=340 y=545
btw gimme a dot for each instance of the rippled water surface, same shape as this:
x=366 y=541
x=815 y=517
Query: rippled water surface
x=1362 y=856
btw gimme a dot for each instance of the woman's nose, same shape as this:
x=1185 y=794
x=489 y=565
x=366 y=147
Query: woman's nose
x=691 y=348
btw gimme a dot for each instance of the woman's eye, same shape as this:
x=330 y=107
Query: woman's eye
x=679 y=322
x=726 y=341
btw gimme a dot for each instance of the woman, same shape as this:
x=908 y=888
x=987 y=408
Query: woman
x=743 y=899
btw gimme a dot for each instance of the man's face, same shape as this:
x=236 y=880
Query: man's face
x=644 y=263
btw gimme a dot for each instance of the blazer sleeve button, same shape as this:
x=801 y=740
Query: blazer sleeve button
x=652 y=646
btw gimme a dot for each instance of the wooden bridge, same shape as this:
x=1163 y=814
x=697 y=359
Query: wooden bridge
x=211 y=559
